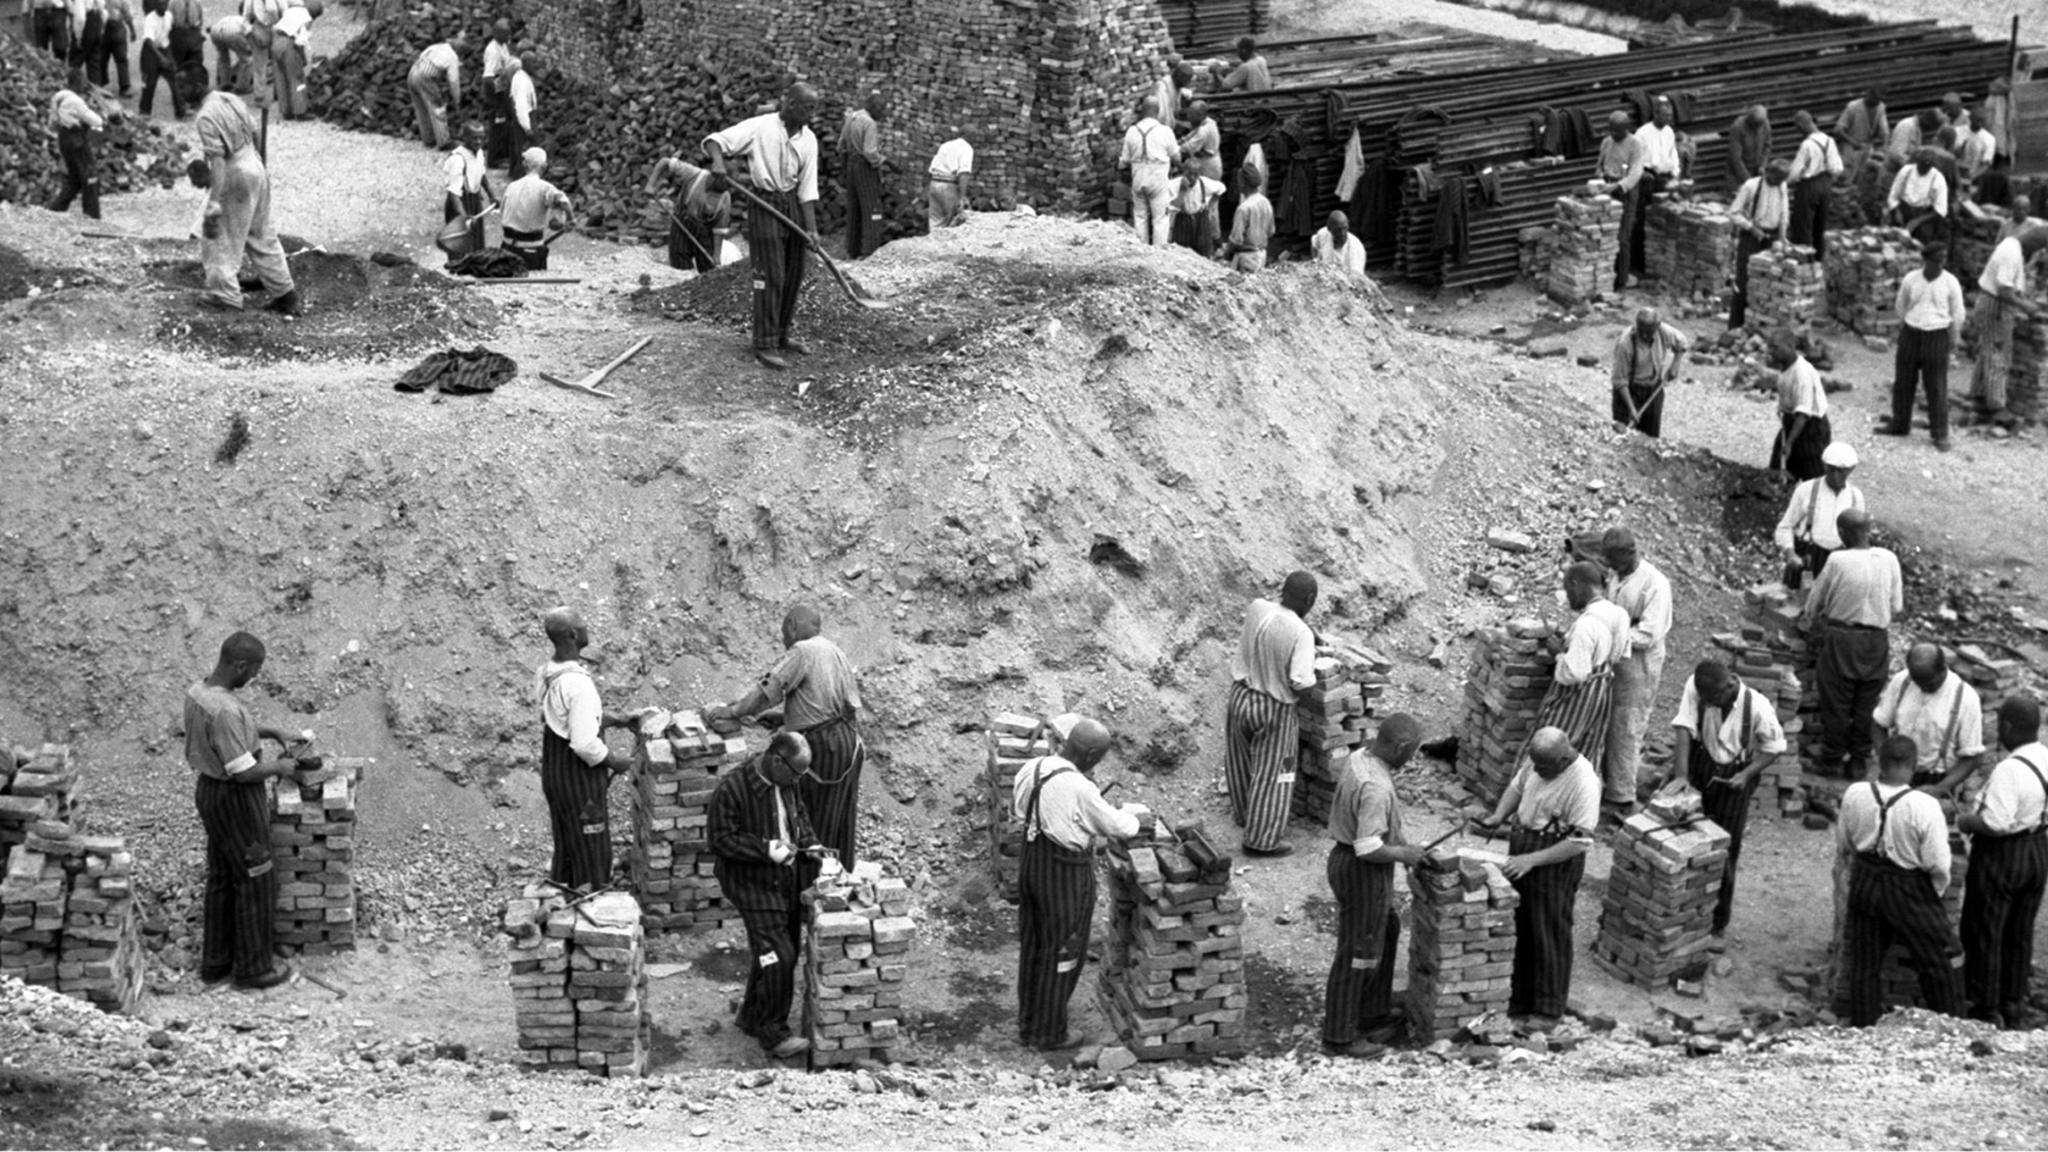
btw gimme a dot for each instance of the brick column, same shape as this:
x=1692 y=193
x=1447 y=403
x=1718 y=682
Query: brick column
x=1014 y=739
x=312 y=837
x=676 y=762
x=1585 y=243
x=1172 y=983
x=1461 y=944
x=1689 y=246
x=856 y=956
x=1659 y=914
x=1864 y=267
x=1787 y=289
x=579 y=981
x=1511 y=671
x=1349 y=678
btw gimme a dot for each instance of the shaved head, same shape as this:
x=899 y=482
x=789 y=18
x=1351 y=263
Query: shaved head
x=241 y=658
x=1298 y=592
x=1897 y=757
x=2019 y=721
x=1551 y=752
x=563 y=623
x=1853 y=526
x=1085 y=743
x=1397 y=739
x=1618 y=548
x=1582 y=583
x=801 y=622
x=1926 y=665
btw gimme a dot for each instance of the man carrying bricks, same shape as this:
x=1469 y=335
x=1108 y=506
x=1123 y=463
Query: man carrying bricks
x=1896 y=844
x=234 y=808
x=1367 y=841
x=1554 y=805
x=1062 y=812
x=576 y=768
x=1850 y=610
x=1638 y=588
x=815 y=687
x=1580 y=702
x=1942 y=714
x=2008 y=870
x=1727 y=733
x=782 y=164
x=1276 y=660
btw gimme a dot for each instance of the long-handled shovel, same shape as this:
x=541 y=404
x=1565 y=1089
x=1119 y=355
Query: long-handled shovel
x=810 y=242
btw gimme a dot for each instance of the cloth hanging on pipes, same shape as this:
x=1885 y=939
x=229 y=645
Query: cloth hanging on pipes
x=1683 y=104
x=1294 y=209
x=1486 y=187
x=1414 y=136
x=1640 y=102
x=1376 y=209
x=1453 y=234
x=1354 y=168
x=1337 y=118
x=489 y=264
x=1566 y=132
x=1426 y=180
x=459 y=373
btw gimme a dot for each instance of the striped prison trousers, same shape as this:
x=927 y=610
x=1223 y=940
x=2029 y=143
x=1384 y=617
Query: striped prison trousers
x=778 y=258
x=863 y=207
x=2007 y=874
x=772 y=935
x=1728 y=807
x=241 y=880
x=829 y=789
x=1890 y=904
x=1542 y=982
x=579 y=814
x=1258 y=763
x=1359 y=995
x=1583 y=711
x=1055 y=907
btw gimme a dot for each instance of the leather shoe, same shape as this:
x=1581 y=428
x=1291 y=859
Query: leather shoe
x=288 y=304
x=1274 y=852
x=270 y=979
x=1069 y=1041
x=795 y=349
x=790 y=1046
x=1944 y=445
x=1890 y=429
x=770 y=360
x=1357 y=1049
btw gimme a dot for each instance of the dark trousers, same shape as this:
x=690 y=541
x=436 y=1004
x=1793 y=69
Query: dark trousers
x=772 y=934
x=1262 y=737
x=1359 y=994
x=81 y=172
x=778 y=257
x=498 y=113
x=692 y=243
x=113 y=55
x=2007 y=875
x=527 y=246
x=85 y=47
x=1801 y=457
x=1056 y=903
x=1921 y=360
x=188 y=50
x=1728 y=807
x=471 y=205
x=156 y=65
x=1851 y=672
x=863 y=207
x=1746 y=245
x=241 y=879
x=516 y=143
x=1634 y=237
x=1889 y=904
x=1810 y=212
x=1542 y=982
x=1624 y=255
x=578 y=814
x=830 y=789
x=1649 y=404
x=53 y=31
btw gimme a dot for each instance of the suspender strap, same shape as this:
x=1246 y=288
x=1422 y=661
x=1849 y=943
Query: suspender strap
x=1884 y=811
x=1955 y=711
x=2043 y=782
x=1031 y=823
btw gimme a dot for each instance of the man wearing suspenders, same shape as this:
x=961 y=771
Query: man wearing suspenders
x=1726 y=733
x=2008 y=869
x=1897 y=844
x=1062 y=812
x=1943 y=715
x=1555 y=804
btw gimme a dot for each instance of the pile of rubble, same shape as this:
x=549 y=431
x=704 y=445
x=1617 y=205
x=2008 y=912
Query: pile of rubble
x=677 y=759
x=1172 y=982
x=1461 y=945
x=579 y=981
x=1864 y=267
x=856 y=957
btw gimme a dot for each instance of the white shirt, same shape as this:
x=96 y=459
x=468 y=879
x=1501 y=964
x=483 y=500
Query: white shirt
x=519 y=93
x=1149 y=150
x=1276 y=653
x=1351 y=257
x=954 y=158
x=1812 y=510
x=1817 y=155
x=1857 y=586
x=156 y=28
x=570 y=707
x=1645 y=594
x=2012 y=800
x=1800 y=390
x=296 y=23
x=69 y=110
x=463 y=171
x=1596 y=641
x=1978 y=150
x=775 y=159
x=1915 y=834
x=1917 y=189
x=441 y=58
x=2007 y=268
x=529 y=201
x=1762 y=204
x=1660 y=148
x=1071 y=810
x=1930 y=305
x=1572 y=798
x=1948 y=724
x=495 y=55
x=1722 y=740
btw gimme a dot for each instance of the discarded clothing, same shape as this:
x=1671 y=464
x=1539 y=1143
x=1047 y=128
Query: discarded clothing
x=1453 y=236
x=1354 y=167
x=489 y=264
x=459 y=373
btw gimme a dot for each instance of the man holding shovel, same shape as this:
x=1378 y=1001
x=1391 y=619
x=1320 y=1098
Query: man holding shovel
x=699 y=221
x=782 y=163
x=1646 y=359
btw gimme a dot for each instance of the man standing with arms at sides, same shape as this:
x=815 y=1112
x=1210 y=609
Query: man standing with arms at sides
x=2008 y=869
x=436 y=83
x=1850 y=611
x=1580 y=702
x=1727 y=733
x=1930 y=310
x=1896 y=842
x=1659 y=142
x=1150 y=152
x=815 y=687
x=1251 y=226
x=1620 y=170
x=520 y=101
x=1640 y=589
x=1646 y=360
x=1276 y=660
x=1806 y=532
x=1814 y=168
x=860 y=155
x=497 y=110
x=1762 y=211
x=576 y=768
x=1943 y=715
x=782 y=165
x=758 y=831
x=1062 y=812
x=1551 y=808
x=234 y=807
x=1367 y=842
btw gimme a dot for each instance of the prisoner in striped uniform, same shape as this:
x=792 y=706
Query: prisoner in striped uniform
x=1727 y=733
x=782 y=163
x=1366 y=842
x=576 y=768
x=1897 y=843
x=815 y=687
x=1276 y=659
x=758 y=832
x=860 y=158
x=1943 y=715
x=1551 y=808
x=234 y=809
x=1062 y=812
x=2008 y=870
x=1580 y=701
x=1641 y=590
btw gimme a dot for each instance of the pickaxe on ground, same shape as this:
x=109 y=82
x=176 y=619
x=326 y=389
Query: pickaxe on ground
x=589 y=384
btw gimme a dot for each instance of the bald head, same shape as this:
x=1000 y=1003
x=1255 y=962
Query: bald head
x=1086 y=742
x=1397 y=739
x=1551 y=752
x=1149 y=107
x=801 y=622
x=1926 y=665
x=1298 y=592
x=1853 y=526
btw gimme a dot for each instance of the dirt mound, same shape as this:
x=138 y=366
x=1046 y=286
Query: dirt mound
x=20 y=276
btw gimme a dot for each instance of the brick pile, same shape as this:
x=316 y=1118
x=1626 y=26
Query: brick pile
x=1504 y=691
x=856 y=958
x=68 y=918
x=1349 y=678
x=1586 y=241
x=1689 y=246
x=1537 y=243
x=677 y=759
x=1787 y=289
x=1461 y=944
x=1013 y=740
x=1173 y=984
x=1995 y=671
x=2028 y=376
x=35 y=787
x=1658 y=918
x=1769 y=653
x=579 y=981
x=1864 y=267
x=312 y=839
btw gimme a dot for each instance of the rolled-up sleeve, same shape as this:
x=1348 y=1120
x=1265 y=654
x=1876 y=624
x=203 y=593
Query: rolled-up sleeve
x=1100 y=817
x=585 y=711
x=233 y=736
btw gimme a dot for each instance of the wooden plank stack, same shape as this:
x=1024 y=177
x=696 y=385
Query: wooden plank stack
x=1689 y=246
x=1349 y=678
x=35 y=787
x=1504 y=691
x=1586 y=240
x=1172 y=983
x=856 y=958
x=1461 y=943
x=1013 y=740
x=68 y=918
x=1658 y=917
x=312 y=839
x=1787 y=289
x=1864 y=267
x=677 y=759
x=579 y=981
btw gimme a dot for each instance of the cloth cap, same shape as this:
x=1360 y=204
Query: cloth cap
x=534 y=158
x=1839 y=455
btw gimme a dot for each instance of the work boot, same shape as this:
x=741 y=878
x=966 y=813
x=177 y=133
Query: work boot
x=1275 y=852
x=790 y=1046
x=1887 y=428
x=270 y=979
x=1357 y=1049
x=795 y=349
x=288 y=304
x=770 y=360
x=1065 y=1043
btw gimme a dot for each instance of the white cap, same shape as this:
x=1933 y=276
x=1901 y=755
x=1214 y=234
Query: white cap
x=1839 y=455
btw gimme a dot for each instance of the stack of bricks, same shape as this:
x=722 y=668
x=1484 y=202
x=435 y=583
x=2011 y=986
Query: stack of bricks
x=1689 y=246
x=856 y=958
x=1995 y=671
x=1536 y=243
x=312 y=838
x=1971 y=239
x=1173 y=982
x=676 y=763
x=2027 y=378
x=1864 y=267
x=1787 y=289
x=32 y=898
x=68 y=918
x=1461 y=944
x=35 y=787
x=579 y=981
x=1014 y=739
x=1769 y=653
x=1658 y=918
x=1583 y=252
x=1349 y=678
x=1504 y=691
